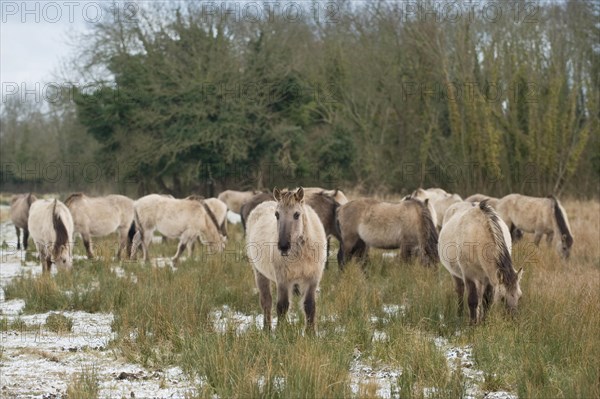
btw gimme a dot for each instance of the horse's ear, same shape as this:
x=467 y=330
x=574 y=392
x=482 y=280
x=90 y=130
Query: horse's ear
x=520 y=274
x=276 y=194
x=299 y=194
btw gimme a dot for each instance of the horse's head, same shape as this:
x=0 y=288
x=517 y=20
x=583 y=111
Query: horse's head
x=564 y=245
x=510 y=293
x=63 y=257
x=290 y=218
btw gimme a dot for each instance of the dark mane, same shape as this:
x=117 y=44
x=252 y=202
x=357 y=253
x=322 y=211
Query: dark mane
x=503 y=260
x=561 y=222
x=211 y=215
x=73 y=197
x=195 y=197
x=430 y=232
x=62 y=236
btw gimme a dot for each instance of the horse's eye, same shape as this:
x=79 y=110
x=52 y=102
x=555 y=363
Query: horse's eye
x=277 y=215
x=297 y=215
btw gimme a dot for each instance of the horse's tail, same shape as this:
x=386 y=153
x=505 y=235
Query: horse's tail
x=501 y=254
x=243 y=219
x=130 y=235
x=561 y=222
x=138 y=234
x=30 y=199
x=211 y=215
x=62 y=235
x=429 y=234
x=338 y=235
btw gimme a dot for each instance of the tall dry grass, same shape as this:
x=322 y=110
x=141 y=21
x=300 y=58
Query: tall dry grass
x=164 y=317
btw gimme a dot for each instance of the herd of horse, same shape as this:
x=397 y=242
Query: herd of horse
x=288 y=234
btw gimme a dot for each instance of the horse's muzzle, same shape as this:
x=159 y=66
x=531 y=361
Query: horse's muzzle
x=284 y=248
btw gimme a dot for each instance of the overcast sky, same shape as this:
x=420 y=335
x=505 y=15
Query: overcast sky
x=35 y=38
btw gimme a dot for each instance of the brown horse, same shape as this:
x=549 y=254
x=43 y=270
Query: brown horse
x=51 y=227
x=286 y=245
x=539 y=216
x=474 y=246
x=19 y=213
x=406 y=225
x=101 y=216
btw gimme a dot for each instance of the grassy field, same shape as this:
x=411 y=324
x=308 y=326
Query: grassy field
x=166 y=317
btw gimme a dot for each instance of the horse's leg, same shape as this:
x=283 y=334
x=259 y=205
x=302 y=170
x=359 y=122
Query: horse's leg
x=47 y=263
x=283 y=302
x=25 y=238
x=488 y=298
x=327 y=253
x=182 y=244
x=515 y=233
x=310 y=309
x=537 y=238
x=473 y=300
x=264 y=288
x=146 y=240
x=18 y=237
x=87 y=243
x=123 y=232
x=459 y=288
x=549 y=238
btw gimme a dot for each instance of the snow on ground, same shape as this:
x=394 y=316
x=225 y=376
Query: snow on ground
x=36 y=362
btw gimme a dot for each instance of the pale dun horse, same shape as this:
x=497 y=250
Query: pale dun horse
x=235 y=199
x=19 y=213
x=101 y=216
x=51 y=227
x=406 y=225
x=539 y=216
x=185 y=219
x=286 y=243
x=474 y=246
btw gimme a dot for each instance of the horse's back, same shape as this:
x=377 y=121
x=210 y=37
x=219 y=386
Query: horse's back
x=531 y=214
x=19 y=209
x=379 y=224
x=467 y=243
x=41 y=226
x=456 y=209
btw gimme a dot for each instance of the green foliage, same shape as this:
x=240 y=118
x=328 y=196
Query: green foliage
x=376 y=98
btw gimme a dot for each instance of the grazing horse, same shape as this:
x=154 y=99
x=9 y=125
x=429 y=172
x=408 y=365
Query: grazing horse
x=539 y=216
x=187 y=220
x=51 y=227
x=406 y=225
x=218 y=208
x=101 y=216
x=235 y=199
x=439 y=199
x=475 y=246
x=285 y=244
x=19 y=213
